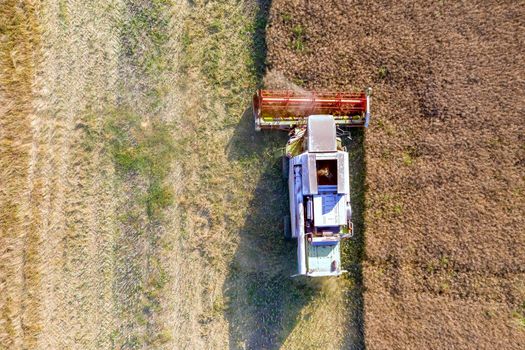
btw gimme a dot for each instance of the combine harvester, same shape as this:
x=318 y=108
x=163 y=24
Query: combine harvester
x=317 y=169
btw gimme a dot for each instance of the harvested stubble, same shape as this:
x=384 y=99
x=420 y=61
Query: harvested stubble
x=445 y=250
x=74 y=273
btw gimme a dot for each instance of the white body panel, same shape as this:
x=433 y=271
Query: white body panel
x=326 y=210
x=329 y=210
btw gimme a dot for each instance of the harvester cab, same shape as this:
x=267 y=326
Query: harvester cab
x=317 y=169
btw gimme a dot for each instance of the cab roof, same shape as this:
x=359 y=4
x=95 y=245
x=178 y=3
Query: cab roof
x=321 y=133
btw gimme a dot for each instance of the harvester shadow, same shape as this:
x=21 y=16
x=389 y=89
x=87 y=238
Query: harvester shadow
x=263 y=300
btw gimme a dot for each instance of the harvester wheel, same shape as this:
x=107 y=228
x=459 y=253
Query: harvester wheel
x=287 y=228
x=285 y=164
x=256 y=123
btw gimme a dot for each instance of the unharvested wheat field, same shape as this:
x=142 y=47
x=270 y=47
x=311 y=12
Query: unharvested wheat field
x=140 y=210
x=444 y=203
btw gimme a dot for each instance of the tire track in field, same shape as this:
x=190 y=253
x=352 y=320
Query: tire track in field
x=19 y=236
x=76 y=80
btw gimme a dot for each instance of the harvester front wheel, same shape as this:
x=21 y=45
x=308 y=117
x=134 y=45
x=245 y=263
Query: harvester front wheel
x=285 y=165
x=287 y=228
